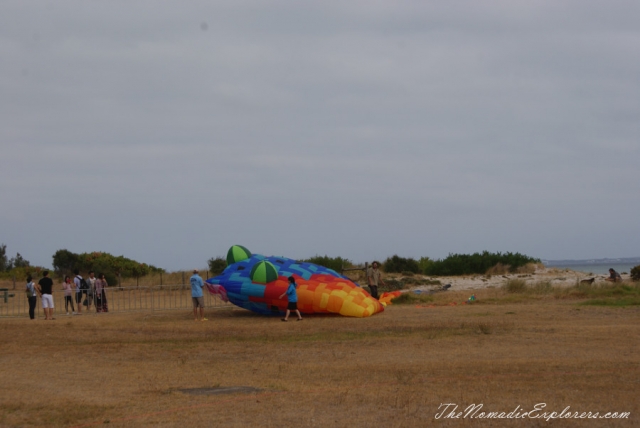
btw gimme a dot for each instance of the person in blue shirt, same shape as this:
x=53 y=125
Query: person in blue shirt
x=196 y=295
x=293 y=299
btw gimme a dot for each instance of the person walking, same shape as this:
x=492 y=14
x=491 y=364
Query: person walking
x=45 y=289
x=374 y=278
x=196 y=295
x=32 y=296
x=68 y=299
x=292 y=297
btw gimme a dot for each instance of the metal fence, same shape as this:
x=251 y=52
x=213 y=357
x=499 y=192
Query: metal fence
x=14 y=303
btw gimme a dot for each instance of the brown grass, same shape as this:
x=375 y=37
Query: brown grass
x=393 y=369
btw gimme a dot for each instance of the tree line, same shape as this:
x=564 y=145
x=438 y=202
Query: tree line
x=114 y=267
x=66 y=262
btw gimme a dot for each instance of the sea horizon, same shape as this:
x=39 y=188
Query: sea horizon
x=595 y=266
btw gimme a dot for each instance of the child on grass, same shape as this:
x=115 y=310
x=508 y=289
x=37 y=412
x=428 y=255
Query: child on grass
x=293 y=299
x=68 y=300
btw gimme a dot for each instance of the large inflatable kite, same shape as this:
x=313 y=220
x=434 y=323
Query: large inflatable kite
x=255 y=282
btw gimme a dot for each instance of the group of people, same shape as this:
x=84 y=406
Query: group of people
x=87 y=292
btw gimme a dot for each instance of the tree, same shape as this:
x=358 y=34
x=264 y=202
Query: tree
x=65 y=261
x=335 y=263
x=217 y=265
x=19 y=261
x=399 y=264
x=4 y=263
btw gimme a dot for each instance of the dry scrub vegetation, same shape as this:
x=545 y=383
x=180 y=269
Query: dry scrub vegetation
x=393 y=369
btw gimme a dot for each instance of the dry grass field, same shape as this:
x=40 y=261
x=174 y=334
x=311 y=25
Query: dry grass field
x=393 y=369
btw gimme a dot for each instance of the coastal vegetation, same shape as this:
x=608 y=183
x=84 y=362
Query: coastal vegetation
x=461 y=264
x=335 y=263
x=113 y=267
x=477 y=263
x=399 y=264
x=216 y=265
x=597 y=294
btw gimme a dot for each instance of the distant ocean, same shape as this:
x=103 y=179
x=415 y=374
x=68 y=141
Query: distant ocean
x=596 y=267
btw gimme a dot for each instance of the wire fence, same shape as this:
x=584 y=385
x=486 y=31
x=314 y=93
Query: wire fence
x=116 y=299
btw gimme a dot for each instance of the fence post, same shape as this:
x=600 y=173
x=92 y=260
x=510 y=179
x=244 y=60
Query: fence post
x=183 y=278
x=160 y=278
x=14 y=282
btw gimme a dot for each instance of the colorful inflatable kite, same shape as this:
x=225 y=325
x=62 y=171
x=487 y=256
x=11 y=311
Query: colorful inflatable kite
x=255 y=282
x=387 y=297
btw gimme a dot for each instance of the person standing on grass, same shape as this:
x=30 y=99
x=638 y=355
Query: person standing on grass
x=196 y=295
x=68 y=299
x=292 y=296
x=101 y=294
x=374 y=278
x=32 y=296
x=45 y=289
x=77 y=280
x=91 y=282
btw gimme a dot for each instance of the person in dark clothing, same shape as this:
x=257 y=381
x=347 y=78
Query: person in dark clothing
x=614 y=276
x=374 y=278
x=45 y=289
x=32 y=296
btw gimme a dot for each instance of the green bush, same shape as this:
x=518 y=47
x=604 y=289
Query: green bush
x=111 y=278
x=217 y=265
x=635 y=273
x=424 y=263
x=477 y=263
x=335 y=263
x=402 y=265
x=65 y=262
x=20 y=273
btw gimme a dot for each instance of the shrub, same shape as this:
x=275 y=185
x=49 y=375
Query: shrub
x=498 y=269
x=477 y=263
x=411 y=298
x=541 y=287
x=65 y=262
x=335 y=263
x=515 y=286
x=400 y=265
x=635 y=273
x=423 y=263
x=392 y=285
x=111 y=278
x=20 y=273
x=528 y=268
x=217 y=265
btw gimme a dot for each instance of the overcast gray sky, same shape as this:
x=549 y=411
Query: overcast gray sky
x=168 y=131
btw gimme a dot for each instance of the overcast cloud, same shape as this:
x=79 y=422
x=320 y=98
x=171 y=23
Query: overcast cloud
x=168 y=131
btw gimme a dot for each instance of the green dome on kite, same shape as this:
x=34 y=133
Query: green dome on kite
x=236 y=254
x=264 y=272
